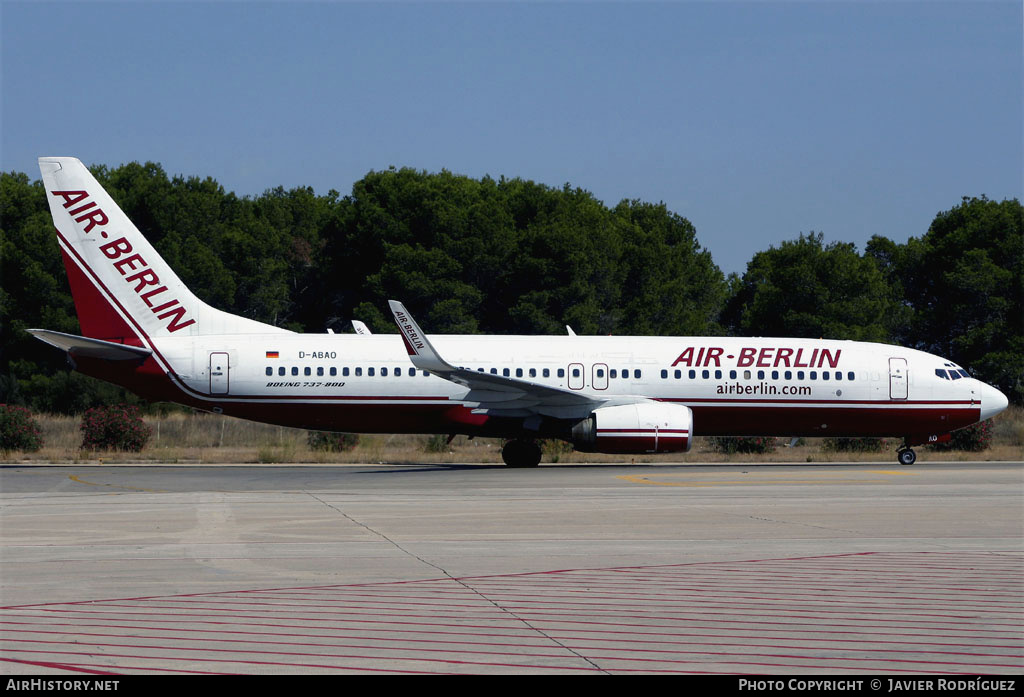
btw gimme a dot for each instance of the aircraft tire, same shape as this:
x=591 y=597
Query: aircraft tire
x=906 y=456
x=521 y=453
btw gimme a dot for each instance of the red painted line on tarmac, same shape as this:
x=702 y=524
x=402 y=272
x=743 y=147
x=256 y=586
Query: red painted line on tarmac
x=360 y=617
x=542 y=613
x=297 y=654
x=954 y=612
x=820 y=599
x=629 y=600
x=700 y=584
x=409 y=644
x=255 y=663
x=880 y=638
x=59 y=666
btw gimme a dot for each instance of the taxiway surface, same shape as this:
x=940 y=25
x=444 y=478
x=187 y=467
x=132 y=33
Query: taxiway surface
x=444 y=568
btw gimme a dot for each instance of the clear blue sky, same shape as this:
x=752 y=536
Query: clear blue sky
x=756 y=121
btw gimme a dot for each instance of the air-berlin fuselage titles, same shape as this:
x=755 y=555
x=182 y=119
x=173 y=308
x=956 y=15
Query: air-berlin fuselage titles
x=144 y=329
x=763 y=357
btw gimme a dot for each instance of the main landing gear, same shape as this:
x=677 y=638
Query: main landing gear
x=906 y=456
x=521 y=453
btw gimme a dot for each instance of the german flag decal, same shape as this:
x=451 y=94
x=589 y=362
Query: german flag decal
x=273 y=354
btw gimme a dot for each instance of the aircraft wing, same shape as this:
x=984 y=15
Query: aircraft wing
x=496 y=395
x=91 y=348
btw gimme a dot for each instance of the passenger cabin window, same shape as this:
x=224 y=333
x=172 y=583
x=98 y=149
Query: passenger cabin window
x=270 y=371
x=664 y=374
x=561 y=372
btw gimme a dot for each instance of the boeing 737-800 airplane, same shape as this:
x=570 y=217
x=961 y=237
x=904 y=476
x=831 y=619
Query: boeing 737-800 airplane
x=144 y=330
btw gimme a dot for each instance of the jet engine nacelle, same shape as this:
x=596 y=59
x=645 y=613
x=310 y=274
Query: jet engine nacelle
x=648 y=427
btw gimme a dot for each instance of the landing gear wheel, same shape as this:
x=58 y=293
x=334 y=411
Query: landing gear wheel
x=906 y=456
x=521 y=453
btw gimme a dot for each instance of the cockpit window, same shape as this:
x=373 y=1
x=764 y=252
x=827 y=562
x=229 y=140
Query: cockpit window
x=941 y=373
x=964 y=373
x=954 y=375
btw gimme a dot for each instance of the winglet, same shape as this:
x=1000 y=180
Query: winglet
x=421 y=352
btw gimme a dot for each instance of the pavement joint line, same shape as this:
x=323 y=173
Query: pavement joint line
x=462 y=583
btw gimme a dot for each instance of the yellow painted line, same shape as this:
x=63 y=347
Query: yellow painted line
x=75 y=478
x=754 y=479
x=643 y=479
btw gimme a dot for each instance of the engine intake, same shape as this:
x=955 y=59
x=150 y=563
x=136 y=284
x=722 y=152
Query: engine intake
x=648 y=427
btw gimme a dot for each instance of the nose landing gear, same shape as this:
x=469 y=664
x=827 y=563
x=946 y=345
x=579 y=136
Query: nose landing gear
x=906 y=456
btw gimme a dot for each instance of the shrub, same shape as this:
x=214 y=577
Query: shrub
x=118 y=427
x=853 y=445
x=733 y=444
x=973 y=439
x=553 y=449
x=331 y=441
x=436 y=443
x=18 y=430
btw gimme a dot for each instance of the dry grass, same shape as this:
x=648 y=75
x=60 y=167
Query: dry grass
x=207 y=438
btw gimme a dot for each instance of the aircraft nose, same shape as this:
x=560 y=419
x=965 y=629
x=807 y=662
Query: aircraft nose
x=992 y=401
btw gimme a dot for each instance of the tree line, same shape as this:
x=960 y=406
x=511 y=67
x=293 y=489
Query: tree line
x=511 y=256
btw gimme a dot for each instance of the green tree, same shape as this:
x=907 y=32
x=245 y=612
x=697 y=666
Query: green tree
x=963 y=282
x=805 y=288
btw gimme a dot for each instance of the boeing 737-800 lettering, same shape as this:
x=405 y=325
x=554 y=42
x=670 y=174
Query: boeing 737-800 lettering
x=143 y=329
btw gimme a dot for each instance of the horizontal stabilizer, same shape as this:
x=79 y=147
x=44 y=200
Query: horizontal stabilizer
x=91 y=348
